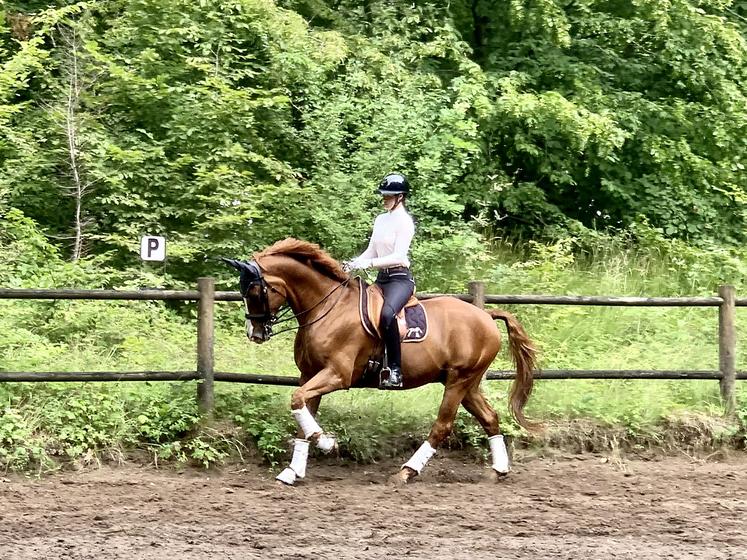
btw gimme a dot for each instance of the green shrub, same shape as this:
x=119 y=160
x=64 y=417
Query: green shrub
x=20 y=449
x=84 y=419
x=47 y=424
x=264 y=417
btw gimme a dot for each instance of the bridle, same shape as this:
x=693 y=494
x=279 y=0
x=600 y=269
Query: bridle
x=266 y=317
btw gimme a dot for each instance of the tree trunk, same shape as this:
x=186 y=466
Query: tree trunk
x=71 y=130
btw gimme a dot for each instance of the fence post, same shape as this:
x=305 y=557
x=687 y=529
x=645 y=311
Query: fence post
x=205 y=338
x=477 y=291
x=727 y=347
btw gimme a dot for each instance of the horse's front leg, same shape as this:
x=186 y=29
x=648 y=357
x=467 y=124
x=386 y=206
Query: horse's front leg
x=304 y=403
x=297 y=467
x=313 y=406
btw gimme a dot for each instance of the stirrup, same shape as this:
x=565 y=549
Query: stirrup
x=388 y=382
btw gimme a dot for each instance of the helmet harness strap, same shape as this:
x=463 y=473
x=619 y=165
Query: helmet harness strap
x=397 y=202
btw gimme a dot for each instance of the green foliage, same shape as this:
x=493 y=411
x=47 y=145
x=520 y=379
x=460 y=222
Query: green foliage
x=607 y=110
x=227 y=126
x=165 y=416
x=44 y=425
x=19 y=448
x=23 y=249
x=264 y=417
x=86 y=420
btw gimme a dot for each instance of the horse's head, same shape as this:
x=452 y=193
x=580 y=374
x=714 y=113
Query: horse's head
x=261 y=298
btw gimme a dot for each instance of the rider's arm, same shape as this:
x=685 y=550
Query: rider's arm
x=369 y=253
x=364 y=259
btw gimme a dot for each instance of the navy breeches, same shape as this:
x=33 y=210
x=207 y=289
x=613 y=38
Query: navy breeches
x=397 y=285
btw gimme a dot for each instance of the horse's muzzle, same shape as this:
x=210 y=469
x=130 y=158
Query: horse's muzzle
x=258 y=335
x=259 y=339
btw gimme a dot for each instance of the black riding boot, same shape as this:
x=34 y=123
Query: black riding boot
x=394 y=359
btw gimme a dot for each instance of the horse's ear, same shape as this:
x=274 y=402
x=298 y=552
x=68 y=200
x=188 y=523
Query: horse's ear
x=231 y=262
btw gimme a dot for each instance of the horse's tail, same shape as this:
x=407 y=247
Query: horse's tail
x=524 y=356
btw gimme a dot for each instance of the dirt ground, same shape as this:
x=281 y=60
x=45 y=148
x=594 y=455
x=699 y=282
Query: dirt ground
x=575 y=507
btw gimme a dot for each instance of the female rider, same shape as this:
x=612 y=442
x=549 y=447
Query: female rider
x=390 y=242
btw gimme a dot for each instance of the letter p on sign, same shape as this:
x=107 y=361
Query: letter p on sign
x=153 y=248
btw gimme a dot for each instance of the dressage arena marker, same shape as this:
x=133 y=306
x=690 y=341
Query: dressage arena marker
x=153 y=248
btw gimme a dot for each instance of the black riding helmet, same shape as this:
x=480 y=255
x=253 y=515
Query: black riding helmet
x=394 y=183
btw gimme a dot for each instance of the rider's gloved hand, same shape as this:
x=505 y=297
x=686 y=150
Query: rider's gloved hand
x=356 y=264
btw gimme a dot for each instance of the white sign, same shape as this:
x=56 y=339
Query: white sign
x=153 y=248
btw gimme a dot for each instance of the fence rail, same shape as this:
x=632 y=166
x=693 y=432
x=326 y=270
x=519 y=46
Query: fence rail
x=288 y=380
x=194 y=295
x=206 y=296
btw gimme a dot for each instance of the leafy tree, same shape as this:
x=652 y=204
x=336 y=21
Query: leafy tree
x=228 y=125
x=607 y=110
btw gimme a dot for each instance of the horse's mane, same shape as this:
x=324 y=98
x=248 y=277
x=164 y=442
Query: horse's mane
x=307 y=253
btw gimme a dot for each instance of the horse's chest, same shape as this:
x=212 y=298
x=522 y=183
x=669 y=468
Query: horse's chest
x=309 y=353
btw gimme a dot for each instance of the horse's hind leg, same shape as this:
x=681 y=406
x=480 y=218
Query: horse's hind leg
x=453 y=395
x=477 y=405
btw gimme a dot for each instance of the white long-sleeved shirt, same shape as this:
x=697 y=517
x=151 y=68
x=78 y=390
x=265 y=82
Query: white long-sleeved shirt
x=390 y=241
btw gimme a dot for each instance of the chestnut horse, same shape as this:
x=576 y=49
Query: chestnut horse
x=332 y=349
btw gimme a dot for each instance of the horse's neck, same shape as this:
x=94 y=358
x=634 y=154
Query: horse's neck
x=307 y=288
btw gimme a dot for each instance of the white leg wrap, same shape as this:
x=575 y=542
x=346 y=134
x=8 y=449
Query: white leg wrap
x=325 y=442
x=306 y=422
x=300 y=456
x=420 y=458
x=498 y=452
x=297 y=467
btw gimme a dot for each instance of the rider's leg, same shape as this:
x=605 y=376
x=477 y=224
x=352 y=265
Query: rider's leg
x=396 y=294
x=393 y=354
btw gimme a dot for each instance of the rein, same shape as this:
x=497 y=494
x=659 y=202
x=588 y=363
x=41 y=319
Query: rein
x=279 y=319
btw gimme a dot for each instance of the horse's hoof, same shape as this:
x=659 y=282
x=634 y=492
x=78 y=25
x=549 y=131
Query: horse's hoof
x=287 y=477
x=402 y=477
x=492 y=476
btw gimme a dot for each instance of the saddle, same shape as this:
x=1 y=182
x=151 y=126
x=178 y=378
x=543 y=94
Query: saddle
x=412 y=320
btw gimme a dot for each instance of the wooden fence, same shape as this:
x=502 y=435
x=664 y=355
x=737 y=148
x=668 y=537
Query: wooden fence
x=206 y=296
